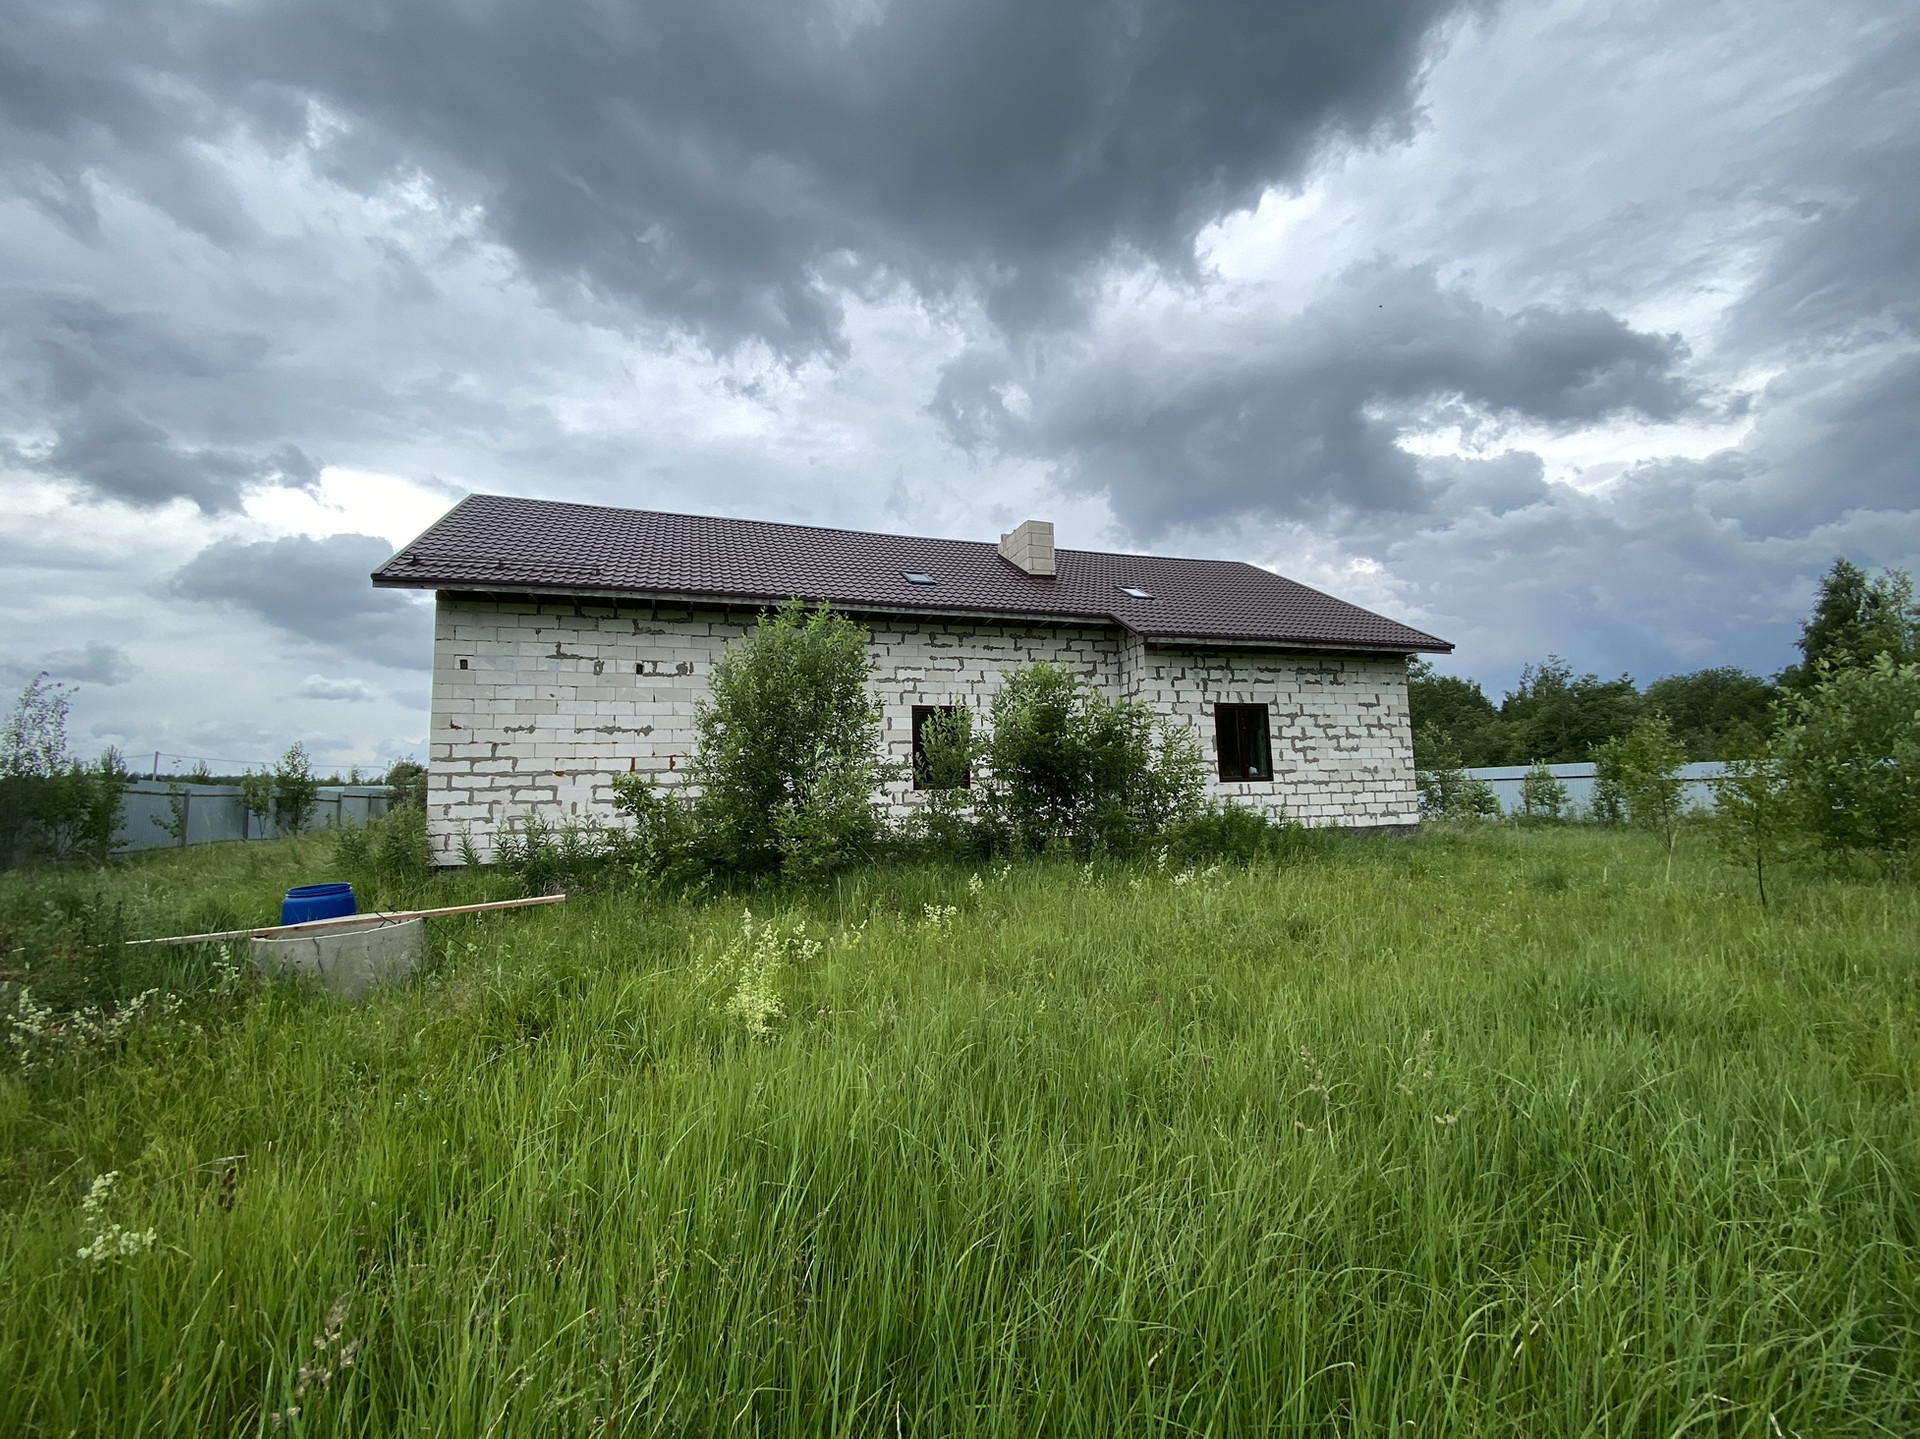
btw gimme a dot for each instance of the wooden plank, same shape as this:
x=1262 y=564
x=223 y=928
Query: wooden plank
x=347 y=921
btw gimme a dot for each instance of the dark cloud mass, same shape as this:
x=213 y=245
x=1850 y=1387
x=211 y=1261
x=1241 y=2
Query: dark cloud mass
x=722 y=166
x=1383 y=291
x=315 y=588
x=67 y=365
x=1288 y=416
x=1848 y=265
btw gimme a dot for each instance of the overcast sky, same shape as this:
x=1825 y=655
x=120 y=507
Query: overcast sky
x=1584 y=328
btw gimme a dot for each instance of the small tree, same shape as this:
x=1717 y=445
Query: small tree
x=294 y=788
x=1850 y=759
x=788 y=754
x=1643 y=767
x=1855 y=620
x=34 y=742
x=1446 y=790
x=407 y=785
x=1752 y=817
x=1542 y=796
x=256 y=796
x=51 y=805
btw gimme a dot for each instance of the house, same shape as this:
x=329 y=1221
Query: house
x=573 y=642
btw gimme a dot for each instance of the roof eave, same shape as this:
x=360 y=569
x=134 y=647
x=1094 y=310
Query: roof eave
x=382 y=579
x=743 y=598
x=1425 y=644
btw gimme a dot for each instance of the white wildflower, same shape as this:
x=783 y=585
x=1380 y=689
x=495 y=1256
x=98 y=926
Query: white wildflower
x=754 y=961
x=110 y=1240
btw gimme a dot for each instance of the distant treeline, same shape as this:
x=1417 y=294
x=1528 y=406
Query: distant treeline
x=1558 y=717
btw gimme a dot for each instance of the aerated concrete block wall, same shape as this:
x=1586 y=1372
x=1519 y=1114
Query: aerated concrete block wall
x=537 y=705
x=1342 y=737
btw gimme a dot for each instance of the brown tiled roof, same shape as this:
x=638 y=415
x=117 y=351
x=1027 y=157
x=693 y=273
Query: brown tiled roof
x=496 y=543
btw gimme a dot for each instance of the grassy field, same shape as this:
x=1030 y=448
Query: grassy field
x=1486 y=1133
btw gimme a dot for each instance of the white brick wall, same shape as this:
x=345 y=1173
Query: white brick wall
x=538 y=704
x=1342 y=739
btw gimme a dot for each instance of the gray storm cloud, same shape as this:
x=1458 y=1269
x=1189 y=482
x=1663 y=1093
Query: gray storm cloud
x=316 y=589
x=724 y=167
x=1296 y=415
x=70 y=369
x=724 y=256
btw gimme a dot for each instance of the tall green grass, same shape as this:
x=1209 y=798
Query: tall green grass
x=1490 y=1133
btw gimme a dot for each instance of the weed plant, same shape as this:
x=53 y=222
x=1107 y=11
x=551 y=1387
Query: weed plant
x=1487 y=1132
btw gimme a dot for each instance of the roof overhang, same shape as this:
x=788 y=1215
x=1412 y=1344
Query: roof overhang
x=583 y=594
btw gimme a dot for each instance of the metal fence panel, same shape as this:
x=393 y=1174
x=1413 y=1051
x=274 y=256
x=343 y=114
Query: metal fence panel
x=217 y=813
x=1505 y=780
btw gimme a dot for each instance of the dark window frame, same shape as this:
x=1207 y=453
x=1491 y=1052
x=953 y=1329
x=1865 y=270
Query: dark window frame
x=1243 y=743
x=921 y=714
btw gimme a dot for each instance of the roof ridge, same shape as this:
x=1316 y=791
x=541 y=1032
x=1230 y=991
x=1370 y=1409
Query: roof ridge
x=992 y=545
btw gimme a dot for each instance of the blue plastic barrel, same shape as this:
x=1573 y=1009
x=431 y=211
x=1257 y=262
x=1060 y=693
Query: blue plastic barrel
x=316 y=901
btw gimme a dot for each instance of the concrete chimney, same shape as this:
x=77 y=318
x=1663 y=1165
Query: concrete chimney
x=1030 y=547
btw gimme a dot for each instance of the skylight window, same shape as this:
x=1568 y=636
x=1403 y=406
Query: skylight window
x=915 y=577
x=1134 y=594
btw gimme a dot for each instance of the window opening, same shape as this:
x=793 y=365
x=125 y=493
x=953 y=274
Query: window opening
x=916 y=577
x=921 y=779
x=1134 y=593
x=1242 y=739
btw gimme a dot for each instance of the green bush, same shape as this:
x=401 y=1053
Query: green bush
x=53 y=807
x=389 y=851
x=1238 y=835
x=660 y=837
x=1542 y=796
x=1850 y=758
x=788 y=754
x=543 y=856
x=950 y=750
x=1643 y=768
x=1069 y=767
x=1753 y=820
x=407 y=784
x=1446 y=790
x=295 y=788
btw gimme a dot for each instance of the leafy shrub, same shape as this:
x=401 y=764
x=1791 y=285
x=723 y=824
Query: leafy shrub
x=788 y=756
x=407 y=785
x=1753 y=819
x=1446 y=790
x=659 y=840
x=1850 y=759
x=53 y=806
x=70 y=814
x=256 y=797
x=542 y=856
x=1542 y=796
x=1068 y=766
x=1235 y=834
x=391 y=850
x=295 y=788
x=950 y=749
x=1643 y=768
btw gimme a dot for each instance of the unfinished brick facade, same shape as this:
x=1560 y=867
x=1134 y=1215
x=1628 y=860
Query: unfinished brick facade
x=538 y=703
